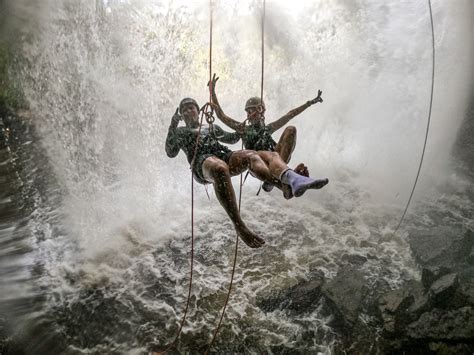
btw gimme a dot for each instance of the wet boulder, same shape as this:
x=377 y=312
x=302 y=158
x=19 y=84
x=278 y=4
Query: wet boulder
x=443 y=289
x=401 y=306
x=448 y=326
x=344 y=296
x=444 y=248
x=470 y=257
x=300 y=298
x=430 y=274
x=354 y=259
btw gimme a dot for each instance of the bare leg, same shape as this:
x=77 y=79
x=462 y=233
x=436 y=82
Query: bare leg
x=265 y=166
x=298 y=185
x=217 y=171
x=267 y=169
x=286 y=144
x=274 y=162
x=285 y=147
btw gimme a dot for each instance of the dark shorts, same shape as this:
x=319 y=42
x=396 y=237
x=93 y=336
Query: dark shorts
x=197 y=171
x=263 y=143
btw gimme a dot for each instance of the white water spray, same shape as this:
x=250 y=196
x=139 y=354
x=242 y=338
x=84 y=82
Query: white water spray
x=103 y=81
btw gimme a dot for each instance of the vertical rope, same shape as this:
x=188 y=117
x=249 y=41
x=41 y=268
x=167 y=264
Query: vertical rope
x=192 y=247
x=240 y=200
x=192 y=193
x=241 y=183
x=214 y=336
x=263 y=51
x=210 y=50
x=429 y=118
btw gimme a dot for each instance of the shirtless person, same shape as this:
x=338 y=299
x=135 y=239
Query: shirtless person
x=215 y=163
x=258 y=136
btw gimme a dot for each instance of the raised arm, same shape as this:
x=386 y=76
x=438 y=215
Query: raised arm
x=276 y=125
x=230 y=122
x=172 y=142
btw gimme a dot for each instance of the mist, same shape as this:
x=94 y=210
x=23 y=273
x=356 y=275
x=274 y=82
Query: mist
x=102 y=80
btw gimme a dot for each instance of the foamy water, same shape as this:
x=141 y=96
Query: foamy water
x=103 y=83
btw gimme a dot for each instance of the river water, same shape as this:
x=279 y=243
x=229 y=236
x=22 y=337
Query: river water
x=98 y=258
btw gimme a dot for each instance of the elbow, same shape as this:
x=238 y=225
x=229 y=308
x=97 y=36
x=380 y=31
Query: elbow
x=292 y=113
x=171 y=153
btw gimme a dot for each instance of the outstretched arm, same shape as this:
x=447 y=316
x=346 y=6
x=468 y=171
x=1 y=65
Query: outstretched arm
x=276 y=125
x=235 y=125
x=172 y=143
x=226 y=137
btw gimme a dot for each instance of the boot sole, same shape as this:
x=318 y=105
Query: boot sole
x=317 y=184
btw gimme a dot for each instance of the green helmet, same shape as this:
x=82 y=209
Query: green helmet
x=254 y=102
x=187 y=100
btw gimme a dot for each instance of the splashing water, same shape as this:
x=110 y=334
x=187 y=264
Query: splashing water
x=102 y=81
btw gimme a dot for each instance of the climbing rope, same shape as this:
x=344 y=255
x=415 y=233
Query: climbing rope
x=429 y=119
x=240 y=199
x=260 y=108
x=192 y=242
x=207 y=112
x=263 y=53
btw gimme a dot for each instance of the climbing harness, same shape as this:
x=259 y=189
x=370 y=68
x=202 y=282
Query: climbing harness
x=240 y=199
x=192 y=245
x=428 y=122
x=207 y=112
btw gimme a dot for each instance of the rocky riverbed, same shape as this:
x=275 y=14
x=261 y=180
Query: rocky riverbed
x=431 y=315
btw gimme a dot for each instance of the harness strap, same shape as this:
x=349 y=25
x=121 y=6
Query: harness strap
x=240 y=197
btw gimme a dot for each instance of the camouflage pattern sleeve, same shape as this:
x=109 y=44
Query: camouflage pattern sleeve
x=226 y=137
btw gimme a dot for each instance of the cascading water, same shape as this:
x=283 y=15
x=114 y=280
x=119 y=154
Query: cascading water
x=102 y=81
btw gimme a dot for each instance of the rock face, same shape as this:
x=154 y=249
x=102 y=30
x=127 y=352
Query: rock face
x=344 y=295
x=297 y=299
x=450 y=326
x=446 y=248
x=433 y=315
x=436 y=314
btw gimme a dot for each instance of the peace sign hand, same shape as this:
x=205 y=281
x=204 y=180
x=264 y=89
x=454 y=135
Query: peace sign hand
x=213 y=82
x=316 y=99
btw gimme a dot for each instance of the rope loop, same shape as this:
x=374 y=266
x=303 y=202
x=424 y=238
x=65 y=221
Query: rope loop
x=208 y=111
